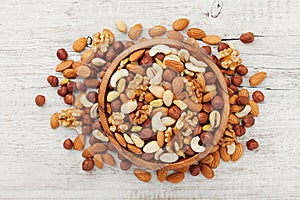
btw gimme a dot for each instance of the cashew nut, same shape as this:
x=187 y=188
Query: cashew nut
x=157 y=123
x=85 y=102
x=100 y=136
x=159 y=49
x=195 y=145
x=172 y=57
x=184 y=55
x=244 y=112
x=94 y=111
x=158 y=76
x=197 y=62
x=117 y=76
x=128 y=107
x=190 y=66
x=214 y=118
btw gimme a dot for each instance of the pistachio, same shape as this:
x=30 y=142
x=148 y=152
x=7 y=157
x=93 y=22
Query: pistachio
x=156 y=103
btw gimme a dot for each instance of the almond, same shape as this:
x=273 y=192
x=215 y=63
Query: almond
x=207 y=159
x=234 y=120
x=161 y=138
x=212 y=39
x=54 y=121
x=136 y=55
x=215 y=163
x=224 y=155
x=69 y=73
x=88 y=153
x=109 y=159
x=136 y=69
x=83 y=71
x=254 y=108
x=206 y=171
x=180 y=24
x=161 y=175
x=92 y=83
x=177 y=85
x=121 y=25
x=156 y=31
x=77 y=64
x=257 y=78
x=239 y=149
x=235 y=108
x=64 y=65
x=79 y=142
x=142 y=175
x=134 y=149
x=209 y=96
x=135 y=31
x=176 y=177
x=174 y=65
x=99 y=147
x=98 y=161
x=244 y=92
x=174 y=35
x=196 y=107
x=120 y=139
x=196 y=33
x=79 y=44
x=87 y=56
x=183 y=169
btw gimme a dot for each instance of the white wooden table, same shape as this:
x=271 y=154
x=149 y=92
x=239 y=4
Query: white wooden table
x=33 y=164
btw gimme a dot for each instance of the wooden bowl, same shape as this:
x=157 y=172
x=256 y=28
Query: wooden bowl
x=103 y=90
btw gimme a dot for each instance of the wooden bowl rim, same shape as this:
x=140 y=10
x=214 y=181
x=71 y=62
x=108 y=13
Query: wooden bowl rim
x=196 y=52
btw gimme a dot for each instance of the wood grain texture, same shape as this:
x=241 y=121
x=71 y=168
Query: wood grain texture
x=33 y=164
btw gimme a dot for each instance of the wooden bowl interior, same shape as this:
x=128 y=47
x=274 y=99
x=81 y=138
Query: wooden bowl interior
x=103 y=90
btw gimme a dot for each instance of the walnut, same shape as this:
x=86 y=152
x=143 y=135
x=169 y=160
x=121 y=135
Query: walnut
x=142 y=115
x=100 y=41
x=229 y=58
x=68 y=117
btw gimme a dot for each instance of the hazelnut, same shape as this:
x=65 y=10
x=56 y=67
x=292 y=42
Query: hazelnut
x=189 y=151
x=125 y=165
x=146 y=123
x=214 y=58
x=160 y=56
x=68 y=144
x=69 y=99
x=234 y=88
x=111 y=147
x=62 y=54
x=52 y=80
x=128 y=44
x=242 y=70
x=87 y=110
x=195 y=170
x=207 y=107
x=210 y=78
x=120 y=156
x=146 y=61
x=197 y=130
x=247 y=37
x=258 y=96
x=207 y=49
x=168 y=75
x=109 y=56
x=242 y=101
x=248 y=121
x=88 y=164
x=174 y=112
x=217 y=102
x=86 y=130
x=86 y=119
x=62 y=91
x=147 y=156
x=146 y=133
x=222 y=46
x=96 y=126
x=92 y=96
x=93 y=140
x=202 y=117
x=239 y=130
x=227 y=81
x=39 y=100
x=252 y=144
x=230 y=72
x=130 y=77
x=115 y=105
x=236 y=80
x=81 y=86
x=99 y=54
x=206 y=137
x=118 y=47
x=71 y=87
x=93 y=73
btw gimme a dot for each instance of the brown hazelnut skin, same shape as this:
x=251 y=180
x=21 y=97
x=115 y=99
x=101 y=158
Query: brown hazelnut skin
x=87 y=110
x=146 y=123
x=214 y=58
x=86 y=119
x=223 y=46
x=69 y=99
x=189 y=151
x=242 y=101
x=62 y=54
x=248 y=121
x=202 y=117
x=168 y=75
x=207 y=49
x=247 y=37
x=116 y=105
x=68 y=144
x=233 y=88
x=239 y=130
x=252 y=144
x=81 y=86
x=71 y=87
x=210 y=78
x=92 y=96
x=197 y=130
x=195 y=170
x=217 y=102
x=147 y=156
x=125 y=165
x=160 y=56
x=146 y=133
x=86 y=130
x=206 y=137
x=62 y=91
x=40 y=100
x=111 y=147
x=207 y=107
x=52 y=80
x=174 y=112
x=146 y=61
x=118 y=46
x=242 y=70
x=236 y=80
x=93 y=140
x=109 y=56
x=258 y=96
x=88 y=165
x=227 y=81
x=96 y=126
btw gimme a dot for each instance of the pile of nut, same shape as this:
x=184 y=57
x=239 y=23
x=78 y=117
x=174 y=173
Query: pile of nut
x=144 y=83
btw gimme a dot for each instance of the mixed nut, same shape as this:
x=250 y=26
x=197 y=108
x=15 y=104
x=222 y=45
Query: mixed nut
x=163 y=104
